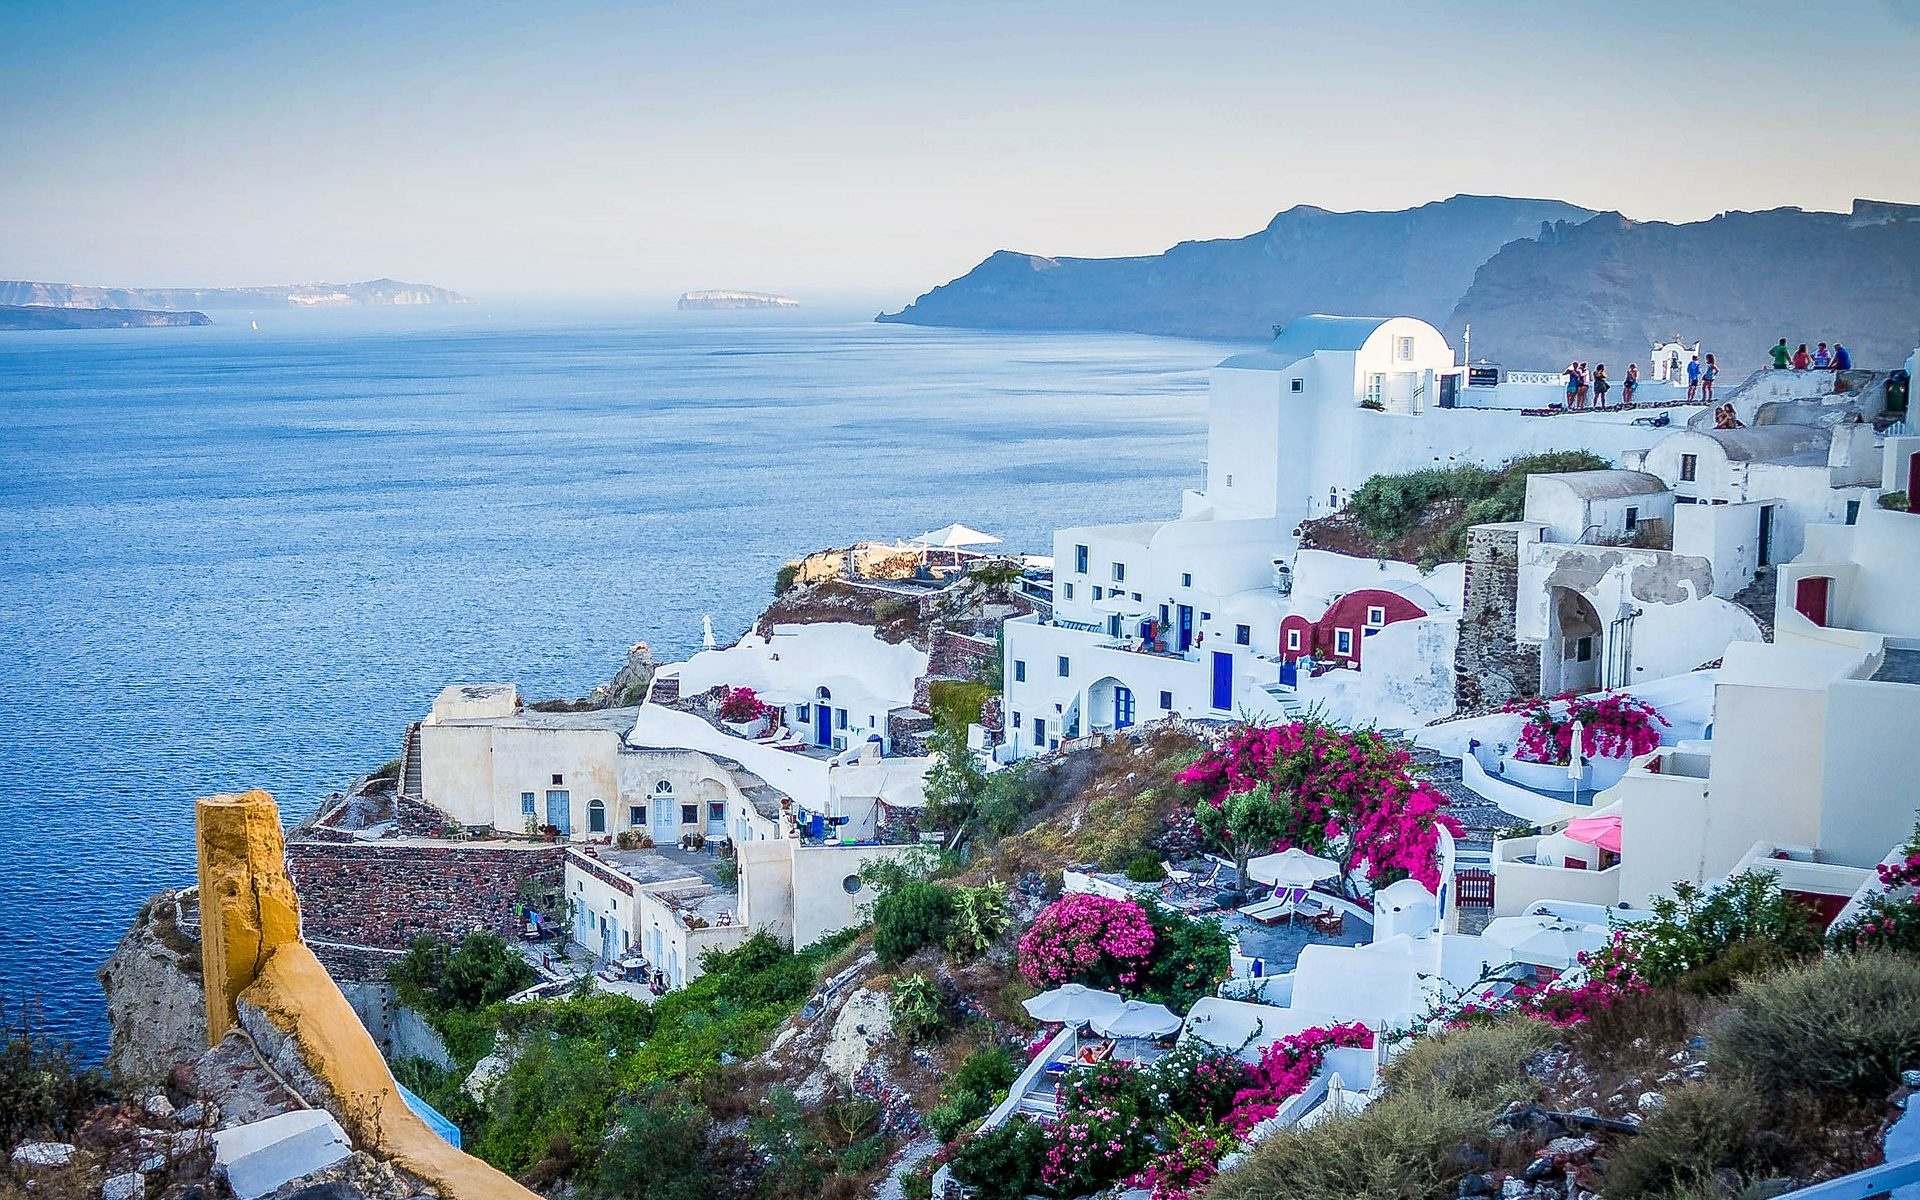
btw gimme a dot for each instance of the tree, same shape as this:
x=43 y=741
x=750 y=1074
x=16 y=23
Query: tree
x=1246 y=823
x=955 y=782
x=434 y=976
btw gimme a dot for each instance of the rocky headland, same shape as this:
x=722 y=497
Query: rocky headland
x=42 y=316
x=373 y=292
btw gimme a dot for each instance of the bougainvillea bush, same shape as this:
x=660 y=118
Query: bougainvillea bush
x=1890 y=918
x=741 y=705
x=1087 y=939
x=1348 y=795
x=1612 y=726
x=1286 y=1067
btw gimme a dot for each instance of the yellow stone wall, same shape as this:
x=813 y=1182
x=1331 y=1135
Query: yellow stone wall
x=251 y=951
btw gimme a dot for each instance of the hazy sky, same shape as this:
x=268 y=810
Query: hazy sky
x=875 y=149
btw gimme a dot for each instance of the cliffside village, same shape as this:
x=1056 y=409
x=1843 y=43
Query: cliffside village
x=1747 y=584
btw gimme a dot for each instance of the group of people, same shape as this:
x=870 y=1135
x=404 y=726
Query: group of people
x=1584 y=384
x=1700 y=377
x=1822 y=357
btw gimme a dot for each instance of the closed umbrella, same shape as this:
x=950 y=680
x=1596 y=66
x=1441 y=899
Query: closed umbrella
x=1137 y=1019
x=1292 y=867
x=1073 y=1004
x=1576 y=764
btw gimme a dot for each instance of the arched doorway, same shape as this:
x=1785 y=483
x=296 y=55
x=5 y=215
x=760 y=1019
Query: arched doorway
x=1110 y=704
x=1571 y=657
x=822 y=717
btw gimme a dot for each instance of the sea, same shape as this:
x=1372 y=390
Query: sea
x=237 y=557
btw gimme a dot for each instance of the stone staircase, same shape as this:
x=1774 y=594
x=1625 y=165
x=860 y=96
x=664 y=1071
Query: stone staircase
x=410 y=784
x=1288 y=699
x=1757 y=598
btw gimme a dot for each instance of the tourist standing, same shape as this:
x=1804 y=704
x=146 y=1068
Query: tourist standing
x=1801 y=359
x=1821 y=359
x=1708 y=374
x=1600 y=386
x=1630 y=385
x=1780 y=355
x=1580 y=377
x=1693 y=377
x=1573 y=382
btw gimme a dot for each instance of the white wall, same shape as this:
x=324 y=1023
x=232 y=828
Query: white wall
x=1872 y=760
x=476 y=773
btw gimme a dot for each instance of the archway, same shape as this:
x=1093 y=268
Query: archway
x=1110 y=705
x=1571 y=657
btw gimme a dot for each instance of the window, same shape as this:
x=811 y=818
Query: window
x=1343 y=642
x=1119 y=572
x=664 y=787
x=851 y=885
x=1065 y=668
x=637 y=816
x=1853 y=512
x=1136 y=597
x=1689 y=466
x=839 y=718
x=596 y=816
x=1403 y=349
x=1633 y=518
x=1243 y=635
x=1293 y=639
x=1297 y=385
x=1014 y=722
x=558 y=780
x=1066 y=591
x=1166 y=701
x=1080 y=559
x=1376 y=615
x=1098 y=591
x=805 y=714
x=1583 y=650
x=1186 y=579
x=1376 y=390
x=689 y=814
x=1019 y=670
x=716 y=810
x=526 y=804
x=1229 y=478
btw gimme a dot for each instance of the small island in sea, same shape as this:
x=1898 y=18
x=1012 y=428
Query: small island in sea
x=373 y=292
x=44 y=316
x=730 y=300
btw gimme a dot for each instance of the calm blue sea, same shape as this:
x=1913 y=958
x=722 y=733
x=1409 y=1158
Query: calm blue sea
x=233 y=558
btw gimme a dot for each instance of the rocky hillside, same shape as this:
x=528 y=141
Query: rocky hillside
x=293 y=295
x=41 y=316
x=1416 y=261
x=1604 y=289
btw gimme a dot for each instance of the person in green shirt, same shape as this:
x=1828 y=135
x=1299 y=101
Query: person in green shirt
x=1781 y=355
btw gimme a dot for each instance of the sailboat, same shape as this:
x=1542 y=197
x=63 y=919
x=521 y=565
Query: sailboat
x=256 y=327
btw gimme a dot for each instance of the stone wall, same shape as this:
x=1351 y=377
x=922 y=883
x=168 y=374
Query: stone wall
x=1491 y=666
x=381 y=896
x=907 y=732
x=953 y=655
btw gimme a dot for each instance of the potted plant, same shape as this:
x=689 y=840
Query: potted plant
x=1614 y=729
x=743 y=712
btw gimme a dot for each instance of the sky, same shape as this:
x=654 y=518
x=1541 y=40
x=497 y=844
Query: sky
x=868 y=151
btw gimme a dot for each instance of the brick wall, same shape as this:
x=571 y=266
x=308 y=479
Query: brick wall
x=907 y=732
x=380 y=897
x=956 y=656
x=1490 y=666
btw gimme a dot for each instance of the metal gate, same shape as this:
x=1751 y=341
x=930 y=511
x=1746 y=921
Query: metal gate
x=1473 y=888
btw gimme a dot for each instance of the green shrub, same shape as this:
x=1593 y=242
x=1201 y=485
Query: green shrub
x=1400 y=1147
x=979 y=918
x=434 y=976
x=1698 y=1129
x=1001 y=1163
x=1191 y=955
x=919 y=1011
x=1482 y=1064
x=979 y=1083
x=1696 y=927
x=863 y=1156
x=656 y=1153
x=387 y=770
x=913 y=915
x=1838 y=1027
x=1897 y=501
x=916 y=1182
x=1146 y=868
x=893 y=607
x=783 y=579
x=44 y=1093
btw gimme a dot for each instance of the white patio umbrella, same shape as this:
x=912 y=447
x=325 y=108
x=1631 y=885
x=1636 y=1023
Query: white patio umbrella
x=1559 y=947
x=1137 y=1019
x=706 y=631
x=1292 y=867
x=1576 y=764
x=1073 y=1004
x=952 y=537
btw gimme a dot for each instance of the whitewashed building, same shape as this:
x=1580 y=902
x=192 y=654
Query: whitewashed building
x=1183 y=616
x=834 y=682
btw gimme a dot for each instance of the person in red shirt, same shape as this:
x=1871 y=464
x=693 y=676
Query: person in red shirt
x=1801 y=359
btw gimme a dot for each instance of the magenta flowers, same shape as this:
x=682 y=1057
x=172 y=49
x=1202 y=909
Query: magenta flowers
x=1086 y=939
x=1613 y=726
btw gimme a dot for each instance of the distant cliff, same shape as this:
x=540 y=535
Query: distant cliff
x=296 y=295
x=733 y=300
x=1415 y=261
x=1602 y=291
x=37 y=316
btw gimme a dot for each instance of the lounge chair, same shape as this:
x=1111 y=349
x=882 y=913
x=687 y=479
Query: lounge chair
x=1285 y=902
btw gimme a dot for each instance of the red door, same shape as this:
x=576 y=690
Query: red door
x=1810 y=598
x=1913 y=484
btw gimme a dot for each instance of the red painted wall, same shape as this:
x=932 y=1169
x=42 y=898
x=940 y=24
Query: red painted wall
x=1349 y=612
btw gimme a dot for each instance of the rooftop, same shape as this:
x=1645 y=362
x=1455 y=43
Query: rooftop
x=1900 y=666
x=614 y=720
x=1607 y=485
x=1772 y=443
x=660 y=865
x=1302 y=337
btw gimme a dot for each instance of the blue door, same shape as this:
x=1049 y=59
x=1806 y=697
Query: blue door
x=1122 y=707
x=823 y=724
x=1223 y=680
x=558 y=806
x=1186 y=628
